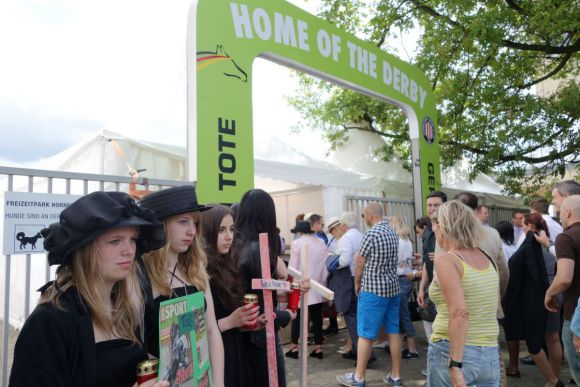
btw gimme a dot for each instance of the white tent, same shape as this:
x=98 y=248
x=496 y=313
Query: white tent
x=298 y=183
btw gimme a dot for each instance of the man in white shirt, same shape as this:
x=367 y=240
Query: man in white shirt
x=348 y=242
x=482 y=214
x=518 y=222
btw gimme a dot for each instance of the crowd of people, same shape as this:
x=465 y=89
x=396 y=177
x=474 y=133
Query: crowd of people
x=118 y=260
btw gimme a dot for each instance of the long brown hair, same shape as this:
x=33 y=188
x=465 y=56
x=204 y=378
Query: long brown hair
x=83 y=273
x=191 y=263
x=222 y=268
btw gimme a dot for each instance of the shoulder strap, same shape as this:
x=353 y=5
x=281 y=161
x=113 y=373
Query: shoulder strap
x=457 y=255
x=488 y=257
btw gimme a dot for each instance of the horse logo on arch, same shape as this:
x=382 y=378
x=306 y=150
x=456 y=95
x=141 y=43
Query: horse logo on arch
x=207 y=58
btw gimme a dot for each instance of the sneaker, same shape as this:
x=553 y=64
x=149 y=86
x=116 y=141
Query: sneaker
x=349 y=380
x=349 y=355
x=393 y=382
x=409 y=355
x=384 y=344
x=424 y=372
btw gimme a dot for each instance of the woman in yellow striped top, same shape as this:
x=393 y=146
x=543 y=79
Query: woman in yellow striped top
x=465 y=290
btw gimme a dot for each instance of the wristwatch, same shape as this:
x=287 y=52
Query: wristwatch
x=453 y=363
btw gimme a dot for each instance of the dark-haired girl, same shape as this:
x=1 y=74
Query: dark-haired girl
x=506 y=233
x=226 y=287
x=257 y=215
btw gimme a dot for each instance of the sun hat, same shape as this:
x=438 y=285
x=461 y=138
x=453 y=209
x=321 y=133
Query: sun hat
x=94 y=214
x=332 y=223
x=303 y=227
x=173 y=201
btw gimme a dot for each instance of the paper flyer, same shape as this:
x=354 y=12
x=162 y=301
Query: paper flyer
x=183 y=345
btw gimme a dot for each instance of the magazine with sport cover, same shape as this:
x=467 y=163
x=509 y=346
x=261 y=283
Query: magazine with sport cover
x=183 y=346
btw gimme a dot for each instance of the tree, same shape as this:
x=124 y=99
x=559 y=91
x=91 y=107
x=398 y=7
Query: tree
x=483 y=58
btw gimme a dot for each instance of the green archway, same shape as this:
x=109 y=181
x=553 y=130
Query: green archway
x=224 y=38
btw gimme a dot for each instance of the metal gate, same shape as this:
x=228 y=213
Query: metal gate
x=41 y=181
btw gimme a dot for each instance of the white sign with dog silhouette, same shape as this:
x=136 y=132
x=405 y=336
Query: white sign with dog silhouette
x=25 y=214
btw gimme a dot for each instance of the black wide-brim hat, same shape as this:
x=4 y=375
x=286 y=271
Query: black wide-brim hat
x=303 y=227
x=173 y=201
x=93 y=215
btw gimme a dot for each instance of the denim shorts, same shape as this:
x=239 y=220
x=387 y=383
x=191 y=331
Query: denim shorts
x=480 y=365
x=376 y=311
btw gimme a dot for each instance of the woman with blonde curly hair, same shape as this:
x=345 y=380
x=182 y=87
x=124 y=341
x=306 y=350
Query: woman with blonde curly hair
x=465 y=289
x=178 y=268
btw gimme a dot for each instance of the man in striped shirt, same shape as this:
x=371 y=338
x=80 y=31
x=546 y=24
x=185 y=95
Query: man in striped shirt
x=377 y=286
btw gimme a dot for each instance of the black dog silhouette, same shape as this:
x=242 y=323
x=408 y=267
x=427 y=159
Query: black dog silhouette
x=24 y=240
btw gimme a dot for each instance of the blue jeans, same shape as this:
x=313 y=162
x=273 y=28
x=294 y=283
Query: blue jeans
x=572 y=356
x=405 y=323
x=480 y=365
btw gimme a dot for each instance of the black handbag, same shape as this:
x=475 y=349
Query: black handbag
x=429 y=312
x=414 y=306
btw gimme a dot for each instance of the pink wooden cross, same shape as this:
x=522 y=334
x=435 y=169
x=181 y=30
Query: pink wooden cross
x=266 y=283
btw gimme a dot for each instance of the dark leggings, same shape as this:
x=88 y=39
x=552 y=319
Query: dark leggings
x=315 y=315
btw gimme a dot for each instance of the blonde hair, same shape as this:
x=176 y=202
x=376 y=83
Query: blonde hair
x=458 y=225
x=191 y=263
x=126 y=297
x=399 y=224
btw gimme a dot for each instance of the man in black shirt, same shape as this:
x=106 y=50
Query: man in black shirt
x=434 y=200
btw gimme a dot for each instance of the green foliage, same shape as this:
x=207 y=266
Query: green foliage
x=483 y=58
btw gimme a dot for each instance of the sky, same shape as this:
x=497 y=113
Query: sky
x=70 y=68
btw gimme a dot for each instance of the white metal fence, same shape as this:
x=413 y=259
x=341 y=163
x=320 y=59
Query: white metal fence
x=41 y=181
x=406 y=208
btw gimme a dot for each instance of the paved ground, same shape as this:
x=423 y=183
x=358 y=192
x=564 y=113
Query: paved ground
x=323 y=372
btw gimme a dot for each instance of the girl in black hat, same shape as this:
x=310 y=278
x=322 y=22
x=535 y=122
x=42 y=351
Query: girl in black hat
x=178 y=268
x=226 y=287
x=87 y=328
x=257 y=215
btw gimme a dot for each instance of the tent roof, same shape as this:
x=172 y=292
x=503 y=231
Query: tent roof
x=278 y=166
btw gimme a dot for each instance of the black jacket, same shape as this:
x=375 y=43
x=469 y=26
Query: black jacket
x=56 y=347
x=341 y=282
x=429 y=243
x=525 y=314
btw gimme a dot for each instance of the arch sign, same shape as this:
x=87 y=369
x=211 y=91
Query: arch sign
x=224 y=38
